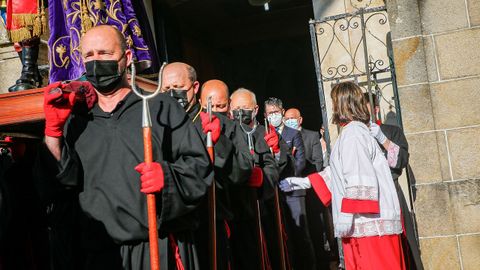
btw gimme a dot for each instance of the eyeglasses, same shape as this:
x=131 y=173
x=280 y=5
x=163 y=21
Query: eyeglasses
x=274 y=112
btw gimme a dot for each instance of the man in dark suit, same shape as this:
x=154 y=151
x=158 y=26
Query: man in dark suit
x=318 y=216
x=311 y=140
x=299 y=240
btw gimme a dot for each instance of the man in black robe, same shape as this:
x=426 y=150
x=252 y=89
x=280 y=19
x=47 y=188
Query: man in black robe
x=232 y=162
x=244 y=239
x=97 y=151
x=395 y=146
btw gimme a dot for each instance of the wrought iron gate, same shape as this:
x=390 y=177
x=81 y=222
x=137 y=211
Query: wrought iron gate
x=356 y=47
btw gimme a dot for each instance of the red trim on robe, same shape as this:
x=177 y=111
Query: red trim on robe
x=360 y=206
x=320 y=188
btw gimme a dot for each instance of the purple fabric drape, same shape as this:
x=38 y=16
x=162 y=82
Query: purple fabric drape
x=147 y=34
x=65 y=22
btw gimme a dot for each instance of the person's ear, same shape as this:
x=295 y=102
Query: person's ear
x=300 y=121
x=129 y=57
x=255 y=109
x=196 y=87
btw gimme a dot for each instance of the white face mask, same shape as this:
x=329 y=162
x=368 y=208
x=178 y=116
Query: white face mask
x=275 y=119
x=292 y=123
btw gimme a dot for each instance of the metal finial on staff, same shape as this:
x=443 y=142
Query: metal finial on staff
x=148 y=158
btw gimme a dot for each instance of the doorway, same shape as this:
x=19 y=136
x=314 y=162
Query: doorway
x=268 y=52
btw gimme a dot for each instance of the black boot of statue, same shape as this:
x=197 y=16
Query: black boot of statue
x=30 y=77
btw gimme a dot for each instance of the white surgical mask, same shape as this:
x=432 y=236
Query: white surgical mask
x=292 y=123
x=275 y=119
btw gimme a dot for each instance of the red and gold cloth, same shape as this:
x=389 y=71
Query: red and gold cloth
x=25 y=19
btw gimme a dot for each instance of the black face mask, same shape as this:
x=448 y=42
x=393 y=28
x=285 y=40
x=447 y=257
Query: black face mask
x=104 y=75
x=181 y=96
x=244 y=116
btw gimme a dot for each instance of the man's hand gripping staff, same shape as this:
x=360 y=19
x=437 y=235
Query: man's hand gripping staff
x=271 y=137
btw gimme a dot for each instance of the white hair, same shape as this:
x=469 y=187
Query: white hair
x=242 y=90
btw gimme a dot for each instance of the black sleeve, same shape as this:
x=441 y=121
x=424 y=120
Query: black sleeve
x=187 y=167
x=70 y=170
x=299 y=153
x=269 y=166
x=233 y=161
x=270 y=176
x=317 y=154
x=242 y=159
x=286 y=162
x=223 y=150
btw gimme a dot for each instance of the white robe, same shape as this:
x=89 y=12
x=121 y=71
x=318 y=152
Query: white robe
x=364 y=200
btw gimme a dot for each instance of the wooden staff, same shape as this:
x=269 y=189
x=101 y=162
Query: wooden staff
x=212 y=206
x=258 y=221
x=148 y=159
x=278 y=215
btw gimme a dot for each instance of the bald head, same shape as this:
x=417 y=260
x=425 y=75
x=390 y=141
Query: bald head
x=218 y=91
x=180 y=69
x=102 y=34
x=106 y=43
x=181 y=77
x=293 y=114
x=243 y=99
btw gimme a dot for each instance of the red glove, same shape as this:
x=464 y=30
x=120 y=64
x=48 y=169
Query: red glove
x=213 y=126
x=256 y=178
x=84 y=90
x=272 y=140
x=152 y=177
x=57 y=106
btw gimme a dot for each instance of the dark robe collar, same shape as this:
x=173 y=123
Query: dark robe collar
x=122 y=105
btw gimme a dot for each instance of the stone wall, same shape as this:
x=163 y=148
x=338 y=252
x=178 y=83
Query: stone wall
x=437 y=57
x=437 y=60
x=10 y=67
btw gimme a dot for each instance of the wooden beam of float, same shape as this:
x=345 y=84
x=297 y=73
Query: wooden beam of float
x=27 y=106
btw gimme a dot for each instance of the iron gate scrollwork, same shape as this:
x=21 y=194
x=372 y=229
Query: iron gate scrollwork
x=356 y=47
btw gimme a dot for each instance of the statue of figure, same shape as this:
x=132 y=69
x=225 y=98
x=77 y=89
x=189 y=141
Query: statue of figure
x=25 y=22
